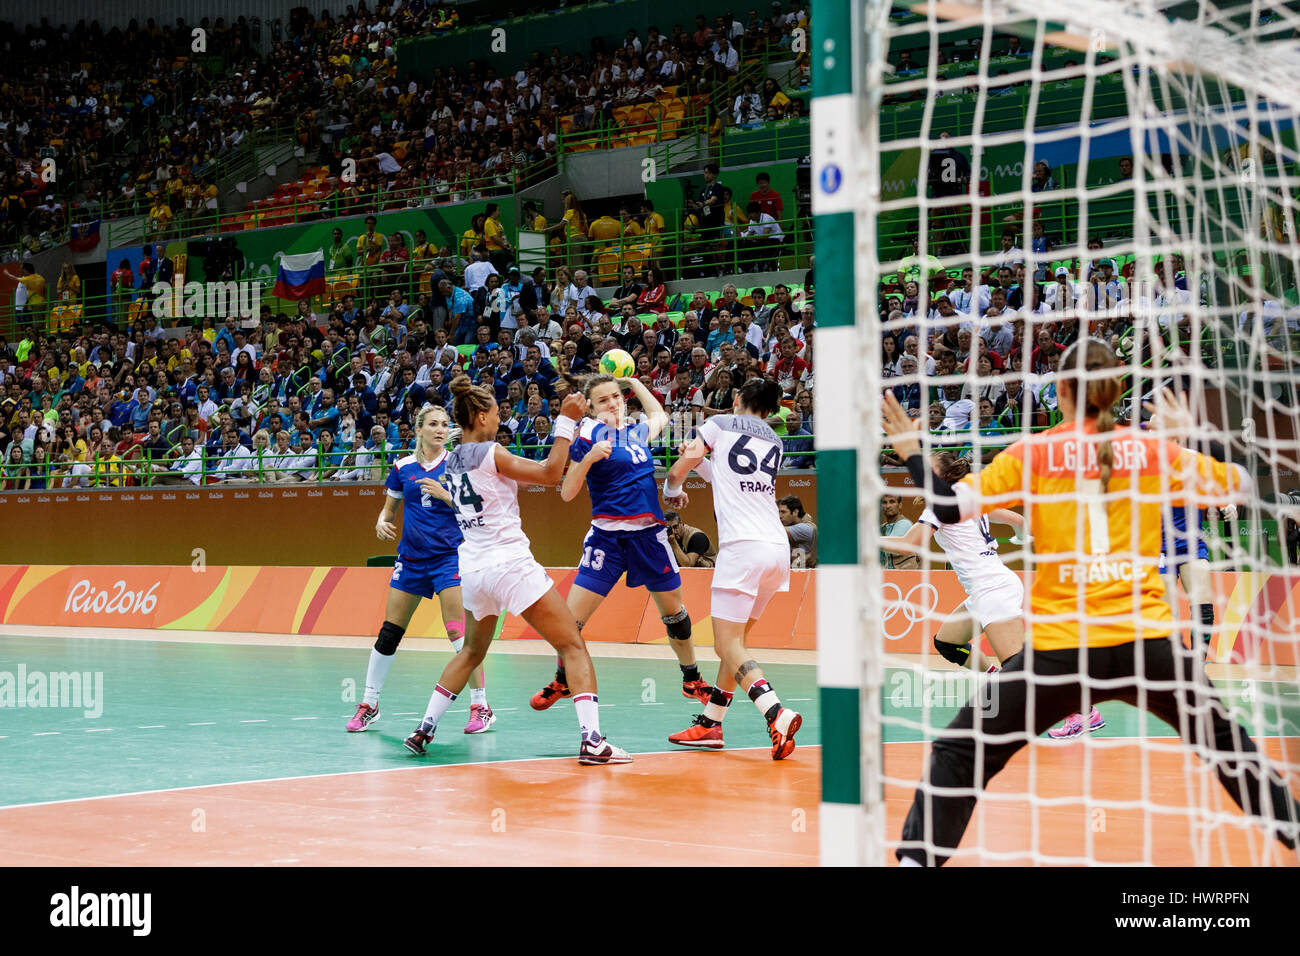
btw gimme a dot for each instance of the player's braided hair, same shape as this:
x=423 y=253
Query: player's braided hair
x=469 y=400
x=1100 y=394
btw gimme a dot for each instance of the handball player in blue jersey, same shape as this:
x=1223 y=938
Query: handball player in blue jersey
x=427 y=564
x=1184 y=557
x=628 y=533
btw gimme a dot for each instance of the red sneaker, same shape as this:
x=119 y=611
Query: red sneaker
x=549 y=694
x=696 y=690
x=697 y=735
x=783 y=743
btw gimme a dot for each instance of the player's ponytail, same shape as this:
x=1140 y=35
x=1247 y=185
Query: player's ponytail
x=469 y=400
x=583 y=384
x=1099 y=394
x=950 y=466
x=760 y=396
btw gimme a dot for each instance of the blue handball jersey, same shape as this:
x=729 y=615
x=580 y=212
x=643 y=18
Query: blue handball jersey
x=1179 y=534
x=623 y=485
x=429 y=526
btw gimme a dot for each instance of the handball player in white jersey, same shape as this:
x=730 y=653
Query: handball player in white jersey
x=753 y=555
x=497 y=569
x=995 y=596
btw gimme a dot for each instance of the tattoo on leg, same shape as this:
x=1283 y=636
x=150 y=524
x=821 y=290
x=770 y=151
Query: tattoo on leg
x=744 y=669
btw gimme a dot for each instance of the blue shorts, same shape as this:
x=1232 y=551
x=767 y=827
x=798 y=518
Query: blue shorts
x=644 y=554
x=426 y=576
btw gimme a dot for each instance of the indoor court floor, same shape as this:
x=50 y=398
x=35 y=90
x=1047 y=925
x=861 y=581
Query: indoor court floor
x=222 y=749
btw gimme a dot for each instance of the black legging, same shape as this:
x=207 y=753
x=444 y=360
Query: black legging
x=1186 y=701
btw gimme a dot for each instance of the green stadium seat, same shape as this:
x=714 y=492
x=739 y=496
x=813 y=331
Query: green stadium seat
x=381 y=561
x=465 y=350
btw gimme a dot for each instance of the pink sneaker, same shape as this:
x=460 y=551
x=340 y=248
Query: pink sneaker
x=480 y=719
x=1074 y=726
x=364 y=717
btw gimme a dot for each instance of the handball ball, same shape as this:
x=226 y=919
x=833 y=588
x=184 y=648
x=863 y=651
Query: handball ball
x=618 y=363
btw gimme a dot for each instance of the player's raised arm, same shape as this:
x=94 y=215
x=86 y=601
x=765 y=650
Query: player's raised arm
x=1200 y=466
x=550 y=471
x=657 y=417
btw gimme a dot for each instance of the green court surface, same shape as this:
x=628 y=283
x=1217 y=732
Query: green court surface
x=196 y=714
x=185 y=715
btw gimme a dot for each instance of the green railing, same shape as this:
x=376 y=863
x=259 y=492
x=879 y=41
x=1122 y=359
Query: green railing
x=785 y=139
x=679 y=253
x=138 y=469
x=290 y=210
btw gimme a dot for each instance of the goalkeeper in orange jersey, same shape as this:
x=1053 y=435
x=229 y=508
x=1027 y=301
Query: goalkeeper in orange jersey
x=1094 y=492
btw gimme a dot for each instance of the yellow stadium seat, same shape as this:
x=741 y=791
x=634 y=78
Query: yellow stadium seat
x=607 y=268
x=566 y=123
x=637 y=116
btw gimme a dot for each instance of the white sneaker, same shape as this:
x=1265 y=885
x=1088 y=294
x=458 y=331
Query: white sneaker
x=603 y=752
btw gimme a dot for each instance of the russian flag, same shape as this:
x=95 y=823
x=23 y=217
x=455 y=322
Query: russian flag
x=84 y=236
x=301 y=276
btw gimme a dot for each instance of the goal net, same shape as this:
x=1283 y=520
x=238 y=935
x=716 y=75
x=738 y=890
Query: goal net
x=1033 y=174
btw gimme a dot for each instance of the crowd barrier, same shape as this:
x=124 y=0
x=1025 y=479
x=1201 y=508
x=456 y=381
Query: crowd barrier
x=1256 y=616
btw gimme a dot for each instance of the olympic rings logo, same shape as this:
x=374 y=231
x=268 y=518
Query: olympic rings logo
x=913 y=612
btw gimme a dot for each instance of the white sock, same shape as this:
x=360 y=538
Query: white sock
x=908 y=861
x=478 y=696
x=717 y=711
x=588 y=715
x=438 y=704
x=376 y=674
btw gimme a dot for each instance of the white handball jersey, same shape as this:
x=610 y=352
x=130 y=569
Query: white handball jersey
x=487 y=508
x=745 y=455
x=971 y=549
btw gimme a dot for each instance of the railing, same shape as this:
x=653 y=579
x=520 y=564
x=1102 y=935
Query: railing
x=338 y=203
x=293 y=467
x=679 y=253
x=768 y=141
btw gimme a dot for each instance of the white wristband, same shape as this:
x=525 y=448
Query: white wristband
x=565 y=428
x=670 y=491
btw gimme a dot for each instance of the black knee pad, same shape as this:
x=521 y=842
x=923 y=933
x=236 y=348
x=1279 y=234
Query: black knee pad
x=959 y=654
x=390 y=635
x=679 y=625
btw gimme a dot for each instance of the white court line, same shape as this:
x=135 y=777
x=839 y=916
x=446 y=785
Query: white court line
x=98 y=730
x=260 y=720
x=47 y=733
x=353 y=773
x=204 y=723
x=151 y=727
x=304 y=718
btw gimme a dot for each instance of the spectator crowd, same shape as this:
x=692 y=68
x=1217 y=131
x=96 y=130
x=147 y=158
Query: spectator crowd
x=332 y=396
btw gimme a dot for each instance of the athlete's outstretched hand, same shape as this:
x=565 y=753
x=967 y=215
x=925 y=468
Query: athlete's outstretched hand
x=385 y=530
x=574 y=406
x=1172 y=413
x=901 y=428
x=681 y=501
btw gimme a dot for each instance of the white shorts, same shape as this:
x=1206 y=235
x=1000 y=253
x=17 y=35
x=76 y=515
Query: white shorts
x=514 y=586
x=996 y=598
x=745 y=576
